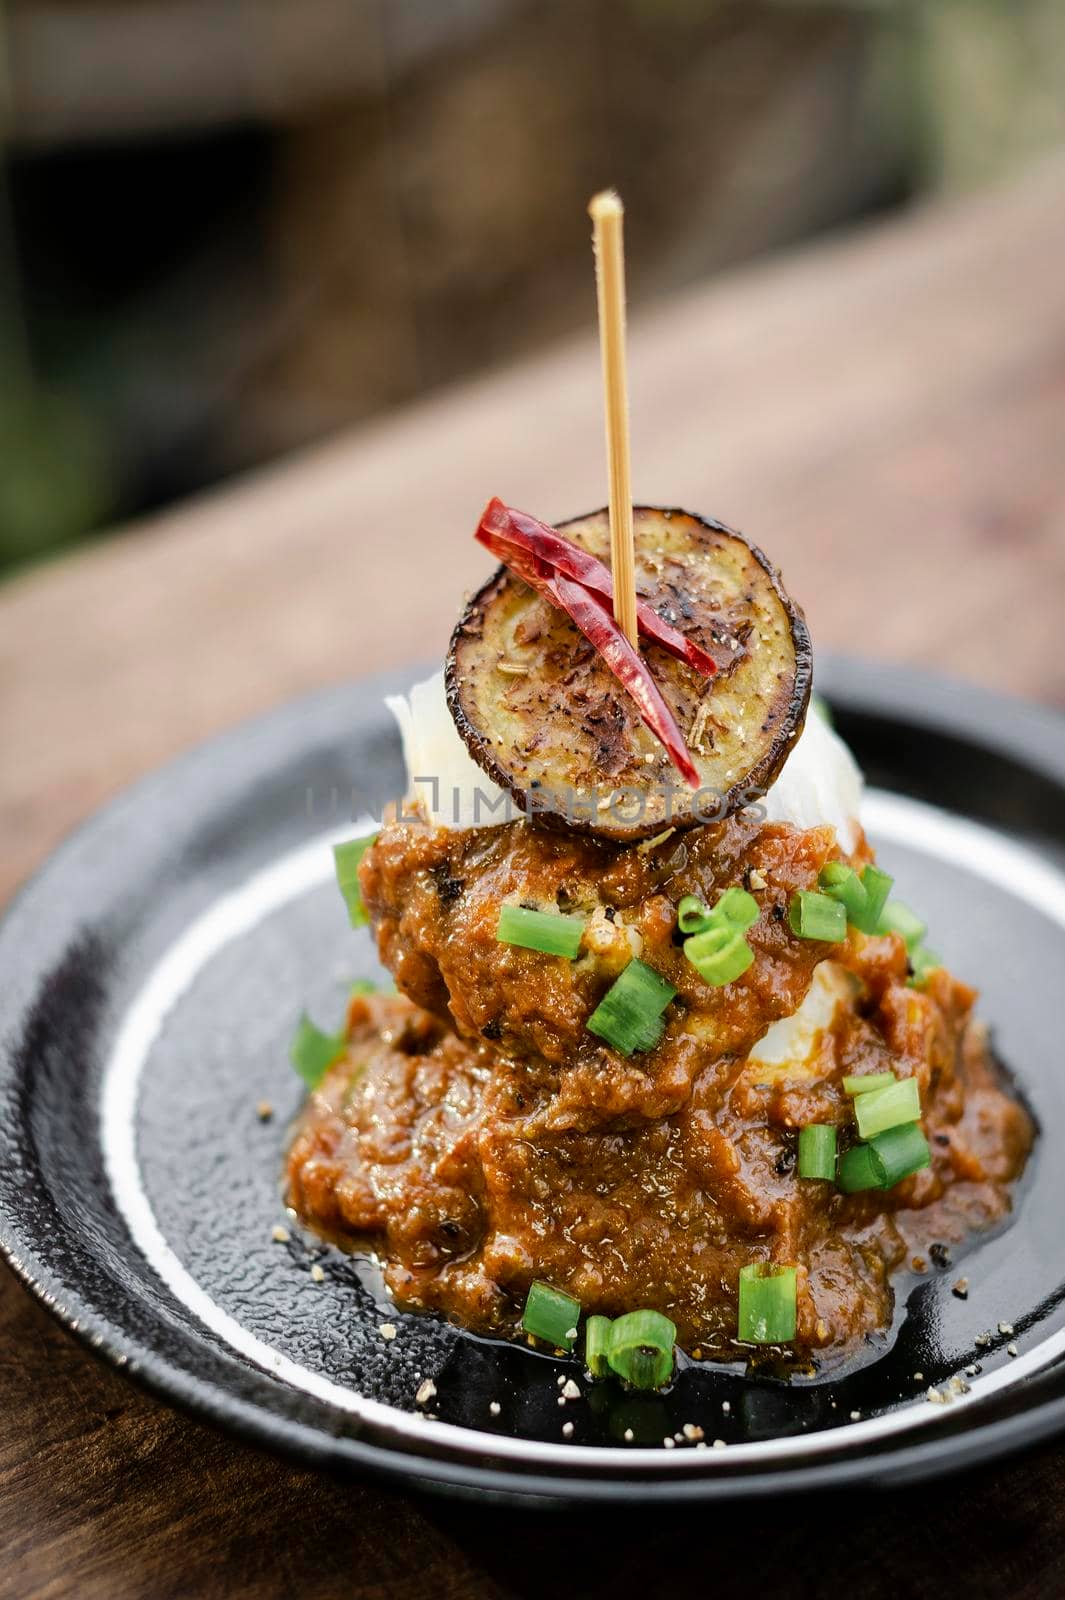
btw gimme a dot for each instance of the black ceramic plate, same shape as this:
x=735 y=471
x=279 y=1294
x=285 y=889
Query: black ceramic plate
x=150 y=979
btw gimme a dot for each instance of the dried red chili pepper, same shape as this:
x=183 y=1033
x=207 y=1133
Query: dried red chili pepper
x=588 y=612
x=536 y=539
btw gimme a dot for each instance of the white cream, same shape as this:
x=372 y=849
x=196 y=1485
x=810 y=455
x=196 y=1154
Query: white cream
x=820 y=782
x=788 y=1047
x=442 y=776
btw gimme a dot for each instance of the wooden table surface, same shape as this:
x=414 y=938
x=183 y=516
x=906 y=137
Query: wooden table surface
x=886 y=414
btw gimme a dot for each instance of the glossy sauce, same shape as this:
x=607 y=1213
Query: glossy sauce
x=482 y=1137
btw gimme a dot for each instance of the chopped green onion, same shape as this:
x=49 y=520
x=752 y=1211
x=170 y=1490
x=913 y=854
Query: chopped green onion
x=860 y=1168
x=877 y=886
x=629 y=1016
x=738 y=908
x=716 y=947
x=815 y=916
x=885 y=1160
x=693 y=915
x=313 y=1052
x=767 y=1303
x=834 y=874
x=888 y=1107
x=903 y=1151
x=551 y=1315
x=924 y=962
x=863 y=898
x=640 y=1348
x=362 y=986
x=735 y=908
x=898 y=918
x=347 y=857
x=817 y=1151
x=842 y=883
x=719 y=955
x=868 y=1082
x=547 y=931
x=596 y=1346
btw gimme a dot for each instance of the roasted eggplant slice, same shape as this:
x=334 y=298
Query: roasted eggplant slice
x=544 y=717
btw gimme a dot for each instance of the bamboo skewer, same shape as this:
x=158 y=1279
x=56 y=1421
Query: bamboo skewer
x=607 y=214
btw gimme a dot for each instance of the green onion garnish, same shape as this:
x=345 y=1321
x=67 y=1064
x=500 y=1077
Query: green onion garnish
x=885 y=1160
x=868 y=1082
x=738 y=908
x=629 y=1016
x=640 y=1348
x=817 y=1151
x=735 y=908
x=313 y=1052
x=767 y=1303
x=347 y=857
x=842 y=883
x=816 y=916
x=596 y=1346
x=898 y=918
x=547 y=931
x=860 y=1168
x=887 y=1108
x=551 y=1315
x=693 y=915
x=877 y=886
x=719 y=955
x=924 y=962
x=717 y=949
x=903 y=1151
x=863 y=898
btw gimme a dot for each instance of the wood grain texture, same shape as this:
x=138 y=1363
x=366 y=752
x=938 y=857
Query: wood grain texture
x=885 y=414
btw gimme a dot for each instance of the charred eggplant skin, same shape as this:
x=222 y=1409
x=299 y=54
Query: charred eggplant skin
x=543 y=718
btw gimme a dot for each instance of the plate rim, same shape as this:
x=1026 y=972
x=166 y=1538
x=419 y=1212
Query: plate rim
x=1024 y=731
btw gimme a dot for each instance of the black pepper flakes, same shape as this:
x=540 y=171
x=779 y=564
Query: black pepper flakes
x=448 y=888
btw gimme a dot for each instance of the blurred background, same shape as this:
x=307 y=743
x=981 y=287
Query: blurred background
x=230 y=227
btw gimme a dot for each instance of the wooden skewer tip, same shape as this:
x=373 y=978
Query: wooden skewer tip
x=607 y=203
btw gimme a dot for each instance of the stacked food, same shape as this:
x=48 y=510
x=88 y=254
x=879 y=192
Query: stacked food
x=668 y=1061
